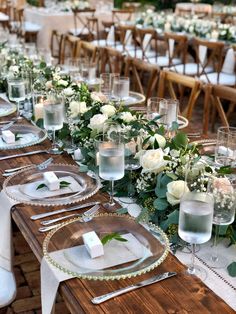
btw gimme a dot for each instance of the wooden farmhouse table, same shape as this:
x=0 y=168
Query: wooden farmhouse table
x=179 y=294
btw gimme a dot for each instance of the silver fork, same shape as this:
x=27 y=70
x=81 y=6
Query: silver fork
x=41 y=166
x=85 y=217
x=8 y=125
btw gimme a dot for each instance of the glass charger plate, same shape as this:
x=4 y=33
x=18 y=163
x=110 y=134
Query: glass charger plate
x=134 y=99
x=63 y=247
x=28 y=135
x=7 y=109
x=22 y=186
x=182 y=122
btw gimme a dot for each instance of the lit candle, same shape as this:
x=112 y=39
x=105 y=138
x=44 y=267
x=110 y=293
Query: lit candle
x=38 y=110
x=97 y=159
x=214 y=34
x=78 y=154
x=167 y=27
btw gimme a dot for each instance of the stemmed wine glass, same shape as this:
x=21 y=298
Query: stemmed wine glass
x=223 y=190
x=133 y=146
x=195 y=214
x=111 y=164
x=53 y=117
x=16 y=92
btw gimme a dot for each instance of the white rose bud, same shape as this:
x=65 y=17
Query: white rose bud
x=48 y=84
x=153 y=161
x=97 y=121
x=62 y=82
x=68 y=91
x=109 y=110
x=127 y=117
x=175 y=190
x=160 y=140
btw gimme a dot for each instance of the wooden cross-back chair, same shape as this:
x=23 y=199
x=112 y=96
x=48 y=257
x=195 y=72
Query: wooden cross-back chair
x=69 y=47
x=5 y=13
x=57 y=46
x=82 y=23
x=171 y=82
x=122 y=15
x=208 y=54
x=127 y=34
x=214 y=95
x=88 y=51
x=144 y=76
x=112 y=60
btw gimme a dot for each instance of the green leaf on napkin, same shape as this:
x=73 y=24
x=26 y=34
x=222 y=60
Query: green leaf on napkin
x=40 y=186
x=17 y=137
x=112 y=236
x=63 y=184
x=232 y=269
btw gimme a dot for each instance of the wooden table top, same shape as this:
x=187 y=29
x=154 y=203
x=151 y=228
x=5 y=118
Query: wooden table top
x=179 y=294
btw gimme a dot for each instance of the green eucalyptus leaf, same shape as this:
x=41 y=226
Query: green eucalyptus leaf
x=64 y=184
x=180 y=140
x=122 y=210
x=232 y=269
x=40 y=186
x=112 y=236
x=160 y=204
x=173 y=218
x=161 y=192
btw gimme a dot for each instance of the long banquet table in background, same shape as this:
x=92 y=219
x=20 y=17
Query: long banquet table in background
x=180 y=294
x=56 y=20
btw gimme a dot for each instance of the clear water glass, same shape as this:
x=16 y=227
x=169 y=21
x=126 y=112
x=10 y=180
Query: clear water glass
x=16 y=92
x=111 y=166
x=53 y=117
x=225 y=150
x=223 y=191
x=121 y=88
x=156 y=109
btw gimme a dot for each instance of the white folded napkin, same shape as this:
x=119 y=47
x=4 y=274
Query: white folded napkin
x=115 y=253
x=24 y=139
x=8 y=284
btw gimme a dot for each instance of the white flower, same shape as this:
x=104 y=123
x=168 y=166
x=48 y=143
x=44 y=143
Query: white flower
x=175 y=190
x=14 y=68
x=174 y=153
x=48 y=84
x=127 y=117
x=62 y=82
x=152 y=161
x=68 y=91
x=160 y=140
x=97 y=121
x=97 y=96
x=109 y=110
x=77 y=108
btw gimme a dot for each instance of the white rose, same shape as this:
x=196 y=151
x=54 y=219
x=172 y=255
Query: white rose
x=97 y=121
x=153 y=161
x=175 y=190
x=127 y=117
x=14 y=68
x=97 y=96
x=68 y=91
x=77 y=108
x=160 y=140
x=109 y=110
x=62 y=82
x=48 y=84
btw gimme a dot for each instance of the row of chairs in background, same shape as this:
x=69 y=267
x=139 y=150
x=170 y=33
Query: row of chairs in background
x=147 y=78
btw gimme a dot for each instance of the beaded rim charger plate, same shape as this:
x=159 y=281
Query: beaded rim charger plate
x=6 y=109
x=23 y=186
x=29 y=135
x=63 y=247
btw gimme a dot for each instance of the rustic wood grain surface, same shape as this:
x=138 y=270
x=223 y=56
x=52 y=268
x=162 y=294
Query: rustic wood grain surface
x=180 y=294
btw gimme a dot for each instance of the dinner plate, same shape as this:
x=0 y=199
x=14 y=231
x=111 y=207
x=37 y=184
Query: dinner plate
x=6 y=109
x=146 y=248
x=26 y=135
x=28 y=186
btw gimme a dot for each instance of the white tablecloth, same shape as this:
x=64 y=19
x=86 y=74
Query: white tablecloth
x=61 y=21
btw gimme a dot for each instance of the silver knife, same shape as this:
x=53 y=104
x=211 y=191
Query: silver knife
x=63 y=210
x=24 y=154
x=108 y=296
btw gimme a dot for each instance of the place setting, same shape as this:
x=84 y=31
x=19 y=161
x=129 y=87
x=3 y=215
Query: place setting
x=118 y=155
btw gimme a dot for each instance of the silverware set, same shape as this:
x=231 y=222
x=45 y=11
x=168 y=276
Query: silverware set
x=41 y=166
x=42 y=151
